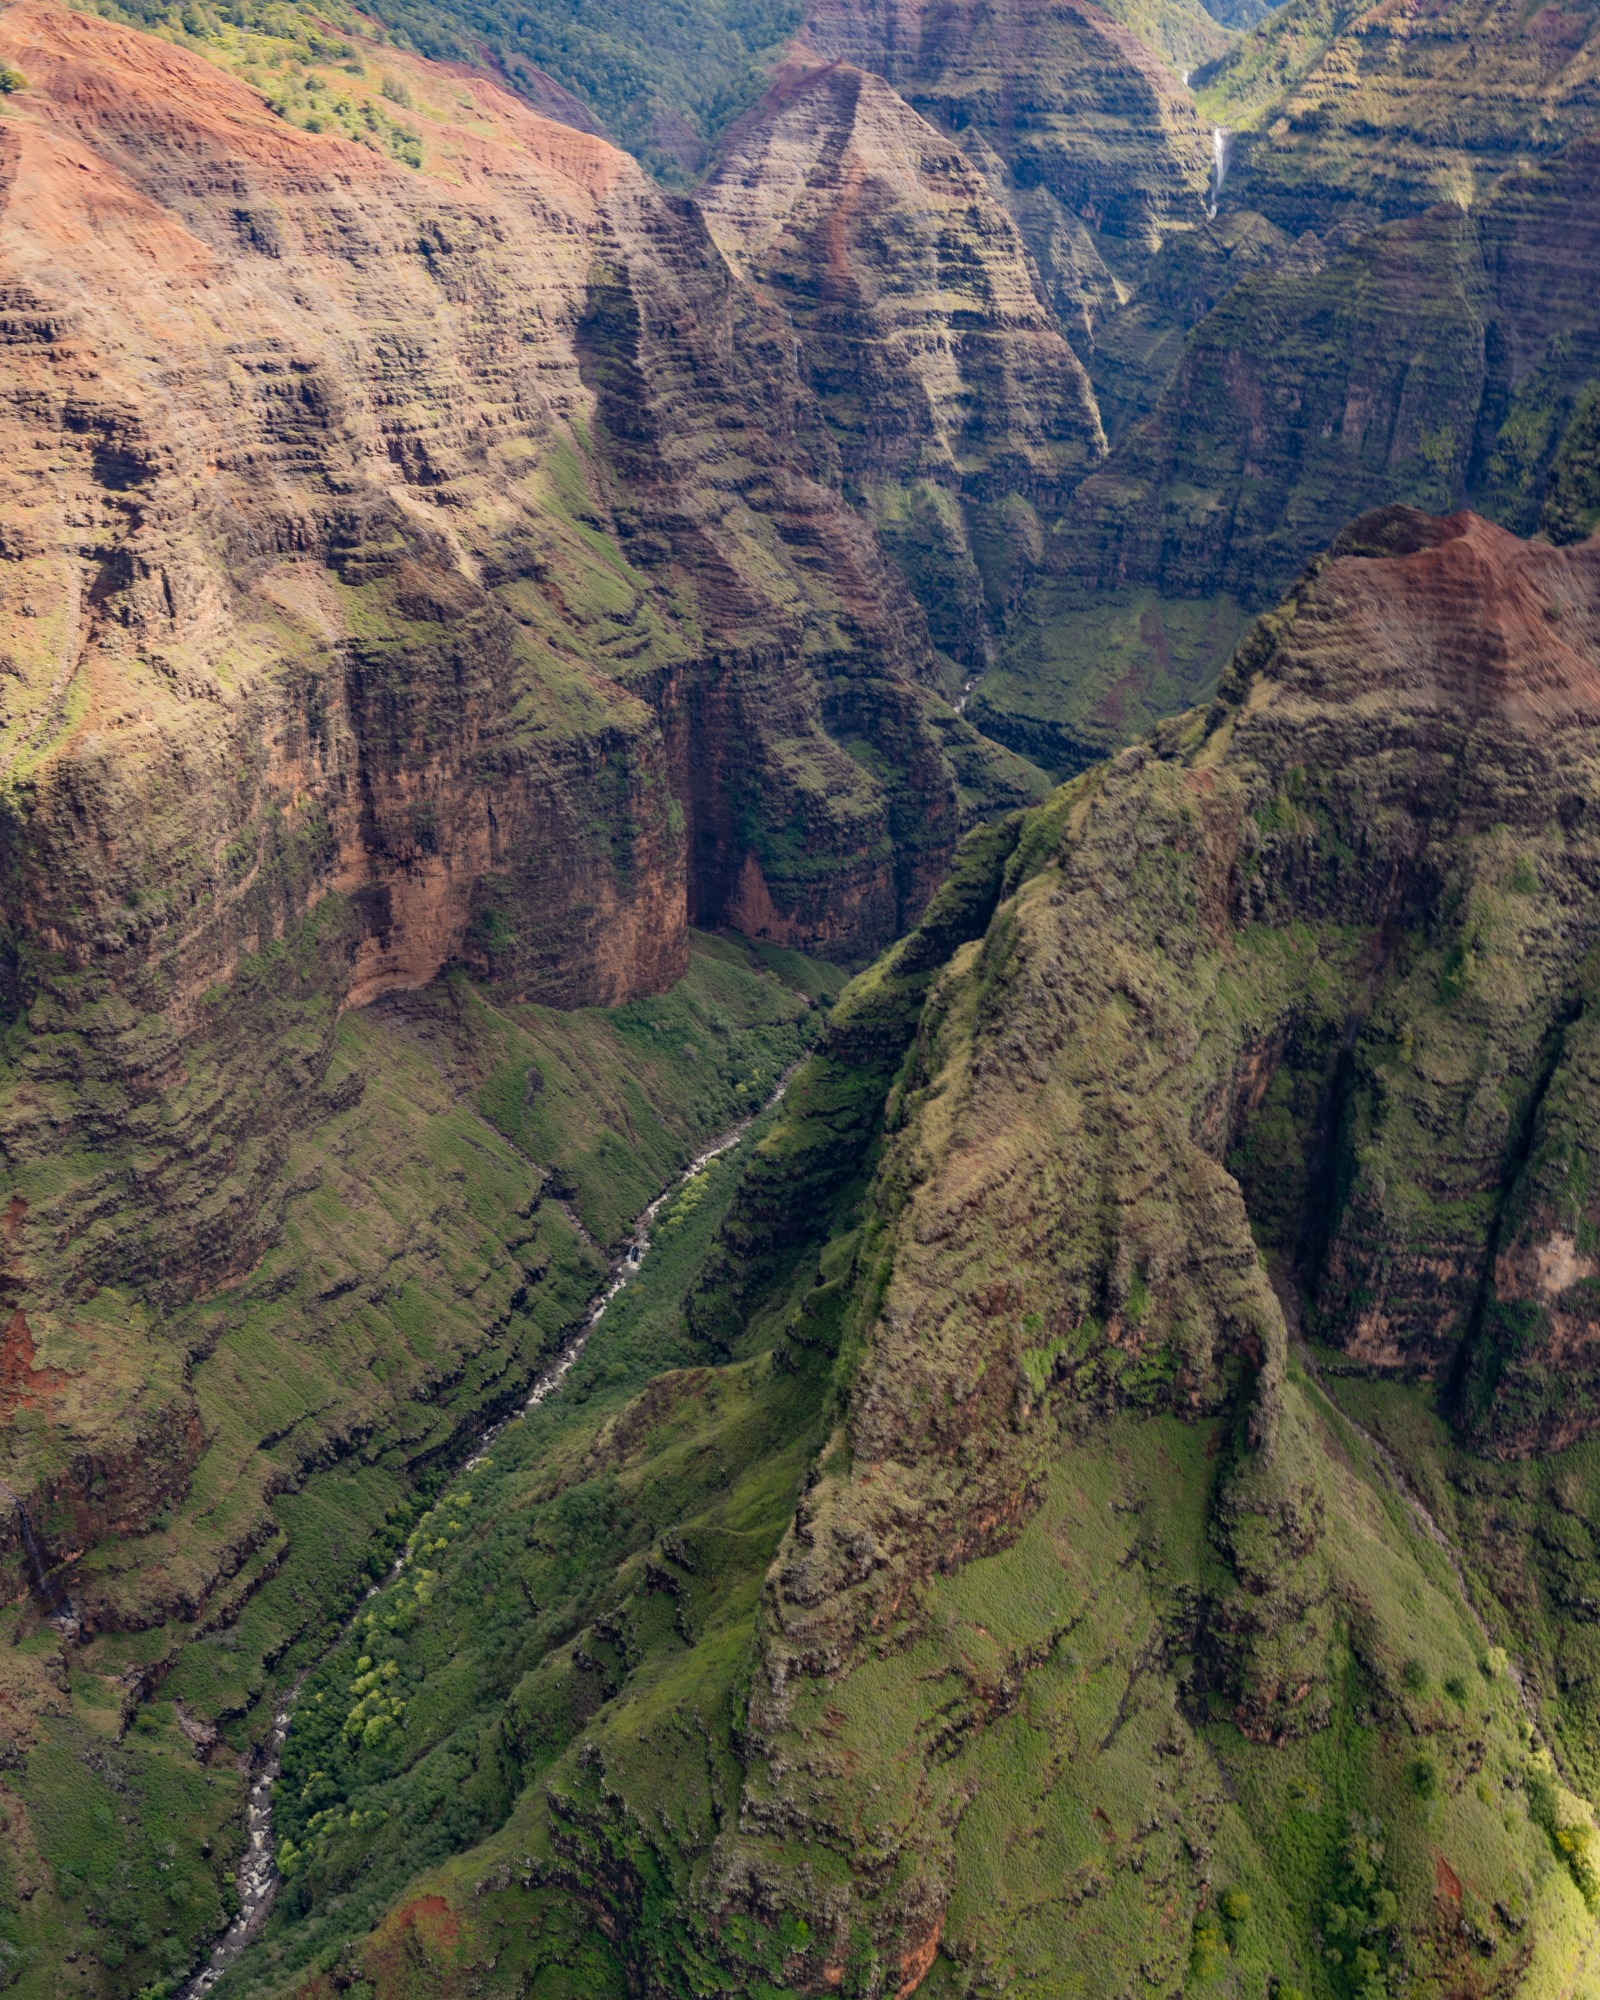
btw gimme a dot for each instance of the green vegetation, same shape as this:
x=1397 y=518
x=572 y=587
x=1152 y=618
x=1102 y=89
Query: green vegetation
x=1262 y=67
x=1077 y=675
x=1572 y=502
x=441 y=1242
x=648 y=70
x=661 y=79
x=1205 y=1706
x=411 y=1740
x=1347 y=117
x=310 y=65
x=1185 y=32
x=939 y=1571
x=1524 y=1529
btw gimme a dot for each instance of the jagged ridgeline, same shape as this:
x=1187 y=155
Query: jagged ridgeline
x=993 y=1599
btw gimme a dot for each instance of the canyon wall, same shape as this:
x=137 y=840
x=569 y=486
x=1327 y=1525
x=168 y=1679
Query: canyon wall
x=961 y=414
x=1444 y=356
x=1356 y=115
x=1084 y=132
x=405 y=569
x=1055 y=1632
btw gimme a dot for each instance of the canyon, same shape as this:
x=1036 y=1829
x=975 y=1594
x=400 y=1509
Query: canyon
x=333 y=666
x=1071 y=1623
x=1025 y=568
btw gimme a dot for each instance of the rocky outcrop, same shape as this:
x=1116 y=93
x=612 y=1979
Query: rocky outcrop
x=1423 y=340
x=960 y=412
x=1484 y=653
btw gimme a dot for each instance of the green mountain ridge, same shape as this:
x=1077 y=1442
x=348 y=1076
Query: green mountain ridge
x=1074 y=1641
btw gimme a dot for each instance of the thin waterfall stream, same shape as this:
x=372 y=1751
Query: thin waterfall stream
x=1221 y=147
x=258 y=1877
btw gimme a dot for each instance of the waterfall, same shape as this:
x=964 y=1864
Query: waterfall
x=1220 y=143
x=49 y=1591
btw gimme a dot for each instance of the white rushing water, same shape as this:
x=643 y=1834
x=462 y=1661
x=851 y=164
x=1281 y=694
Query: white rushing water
x=1221 y=143
x=258 y=1877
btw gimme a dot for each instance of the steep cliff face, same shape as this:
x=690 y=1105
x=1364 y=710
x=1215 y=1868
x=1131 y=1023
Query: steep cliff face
x=960 y=412
x=1083 y=130
x=1373 y=112
x=926 y=322
x=1431 y=1227
x=1440 y=359
x=252 y=566
x=1336 y=940
x=1423 y=340
x=404 y=570
x=1092 y=1650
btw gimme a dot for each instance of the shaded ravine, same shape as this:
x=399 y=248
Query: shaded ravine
x=258 y=1878
x=58 y=1607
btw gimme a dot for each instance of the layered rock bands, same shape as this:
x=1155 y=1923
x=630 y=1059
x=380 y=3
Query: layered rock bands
x=402 y=568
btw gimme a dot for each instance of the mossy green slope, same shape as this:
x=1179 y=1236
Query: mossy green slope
x=444 y=1224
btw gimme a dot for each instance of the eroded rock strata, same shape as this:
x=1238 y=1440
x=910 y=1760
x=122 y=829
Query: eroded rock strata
x=403 y=570
x=439 y=569
x=1366 y=113
x=1445 y=357
x=1083 y=130
x=960 y=412
x=1313 y=974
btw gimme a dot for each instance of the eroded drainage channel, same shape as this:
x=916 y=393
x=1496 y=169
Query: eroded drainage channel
x=258 y=1878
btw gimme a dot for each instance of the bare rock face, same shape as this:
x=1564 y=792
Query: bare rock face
x=1086 y=134
x=960 y=411
x=401 y=570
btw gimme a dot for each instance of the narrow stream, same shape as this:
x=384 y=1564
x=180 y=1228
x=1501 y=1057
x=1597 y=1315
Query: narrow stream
x=258 y=1877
